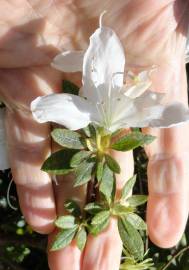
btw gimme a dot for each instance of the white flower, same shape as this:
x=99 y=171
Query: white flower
x=4 y=162
x=104 y=99
x=137 y=84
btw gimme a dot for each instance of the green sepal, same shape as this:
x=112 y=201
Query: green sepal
x=112 y=164
x=107 y=184
x=132 y=141
x=128 y=187
x=68 y=138
x=70 y=88
x=64 y=238
x=136 y=200
x=59 y=162
x=79 y=157
x=81 y=238
x=65 y=222
x=84 y=172
x=131 y=239
x=72 y=207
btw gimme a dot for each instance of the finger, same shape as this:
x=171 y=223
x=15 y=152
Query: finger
x=64 y=190
x=104 y=251
x=168 y=173
x=28 y=145
x=71 y=255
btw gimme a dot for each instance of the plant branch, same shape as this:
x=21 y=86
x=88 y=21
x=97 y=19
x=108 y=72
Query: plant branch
x=175 y=256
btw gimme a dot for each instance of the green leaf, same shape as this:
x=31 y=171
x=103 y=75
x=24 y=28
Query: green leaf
x=100 y=217
x=107 y=185
x=65 y=222
x=84 y=172
x=79 y=157
x=93 y=208
x=136 y=221
x=70 y=88
x=132 y=141
x=81 y=238
x=100 y=223
x=59 y=162
x=73 y=208
x=128 y=187
x=120 y=210
x=90 y=131
x=68 y=138
x=137 y=200
x=131 y=239
x=63 y=238
x=112 y=164
x=99 y=170
x=96 y=229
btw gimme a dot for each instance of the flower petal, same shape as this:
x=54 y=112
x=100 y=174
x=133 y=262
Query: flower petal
x=137 y=89
x=68 y=110
x=69 y=61
x=171 y=115
x=148 y=99
x=103 y=59
x=4 y=161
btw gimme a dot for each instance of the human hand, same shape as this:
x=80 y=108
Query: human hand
x=28 y=44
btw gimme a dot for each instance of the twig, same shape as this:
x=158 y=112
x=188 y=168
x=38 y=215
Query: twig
x=174 y=257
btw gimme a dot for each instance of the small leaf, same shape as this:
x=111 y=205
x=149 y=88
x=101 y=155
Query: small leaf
x=136 y=221
x=137 y=200
x=97 y=228
x=84 y=172
x=68 y=138
x=120 y=210
x=59 y=162
x=93 y=208
x=131 y=239
x=128 y=187
x=132 y=141
x=63 y=238
x=65 y=222
x=79 y=157
x=112 y=164
x=107 y=185
x=90 y=131
x=81 y=238
x=99 y=170
x=73 y=208
x=70 y=88
x=100 y=217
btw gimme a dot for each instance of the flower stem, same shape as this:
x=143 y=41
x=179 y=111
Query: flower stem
x=174 y=257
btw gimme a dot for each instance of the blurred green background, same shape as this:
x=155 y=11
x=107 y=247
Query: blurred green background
x=23 y=249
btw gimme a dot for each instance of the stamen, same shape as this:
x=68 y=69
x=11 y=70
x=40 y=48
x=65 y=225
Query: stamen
x=101 y=17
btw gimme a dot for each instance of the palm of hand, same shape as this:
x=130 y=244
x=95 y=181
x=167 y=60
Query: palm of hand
x=152 y=34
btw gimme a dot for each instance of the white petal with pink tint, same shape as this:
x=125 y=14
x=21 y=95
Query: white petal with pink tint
x=70 y=111
x=69 y=61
